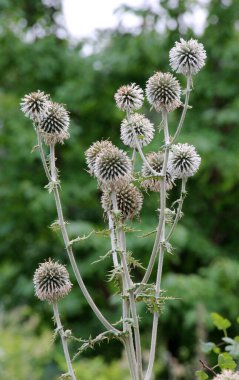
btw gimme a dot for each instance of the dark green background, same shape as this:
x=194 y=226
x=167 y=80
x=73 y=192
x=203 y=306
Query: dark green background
x=203 y=272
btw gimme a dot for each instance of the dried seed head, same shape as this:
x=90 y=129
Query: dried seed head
x=143 y=128
x=187 y=57
x=227 y=375
x=93 y=152
x=35 y=105
x=129 y=201
x=183 y=161
x=113 y=167
x=55 y=124
x=129 y=97
x=163 y=92
x=155 y=159
x=51 y=281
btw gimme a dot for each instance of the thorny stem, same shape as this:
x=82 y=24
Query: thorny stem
x=185 y=108
x=179 y=209
x=63 y=340
x=69 y=250
x=162 y=210
x=130 y=291
x=129 y=345
x=161 y=249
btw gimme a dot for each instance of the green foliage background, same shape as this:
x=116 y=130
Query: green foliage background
x=203 y=273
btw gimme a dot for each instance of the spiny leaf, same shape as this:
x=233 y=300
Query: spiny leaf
x=132 y=261
x=52 y=185
x=102 y=258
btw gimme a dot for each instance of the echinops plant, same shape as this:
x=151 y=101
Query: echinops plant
x=122 y=190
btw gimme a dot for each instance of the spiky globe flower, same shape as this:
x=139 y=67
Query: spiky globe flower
x=35 y=105
x=129 y=201
x=51 y=281
x=129 y=97
x=155 y=159
x=55 y=124
x=143 y=128
x=227 y=375
x=163 y=92
x=113 y=167
x=93 y=152
x=183 y=161
x=187 y=57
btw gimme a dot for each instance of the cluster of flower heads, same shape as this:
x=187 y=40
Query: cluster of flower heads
x=227 y=375
x=113 y=168
x=51 y=281
x=51 y=118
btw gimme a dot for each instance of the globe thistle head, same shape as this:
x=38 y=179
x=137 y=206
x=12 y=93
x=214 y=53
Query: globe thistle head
x=129 y=201
x=143 y=128
x=227 y=375
x=35 y=105
x=113 y=167
x=187 y=57
x=51 y=281
x=54 y=126
x=129 y=97
x=155 y=159
x=183 y=161
x=163 y=92
x=93 y=152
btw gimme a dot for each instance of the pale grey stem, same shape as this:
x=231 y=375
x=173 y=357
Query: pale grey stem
x=112 y=239
x=133 y=157
x=69 y=250
x=161 y=250
x=130 y=289
x=47 y=172
x=185 y=108
x=179 y=209
x=141 y=153
x=162 y=210
x=129 y=346
x=63 y=340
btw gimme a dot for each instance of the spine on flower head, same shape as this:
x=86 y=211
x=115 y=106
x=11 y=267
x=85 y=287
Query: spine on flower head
x=129 y=97
x=163 y=92
x=129 y=201
x=51 y=281
x=113 y=167
x=93 y=152
x=143 y=128
x=35 y=105
x=187 y=57
x=54 y=126
x=183 y=161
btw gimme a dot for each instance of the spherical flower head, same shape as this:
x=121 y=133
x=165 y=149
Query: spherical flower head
x=187 y=57
x=142 y=127
x=54 y=126
x=183 y=161
x=227 y=375
x=129 y=97
x=129 y=201
x=51 y=281
x=155 y=159
x=35 y=105
x=163 y=92
x=93 y=152
x=113 y=167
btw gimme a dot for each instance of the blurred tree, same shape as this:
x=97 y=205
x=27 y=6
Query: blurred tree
x=35 y=54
